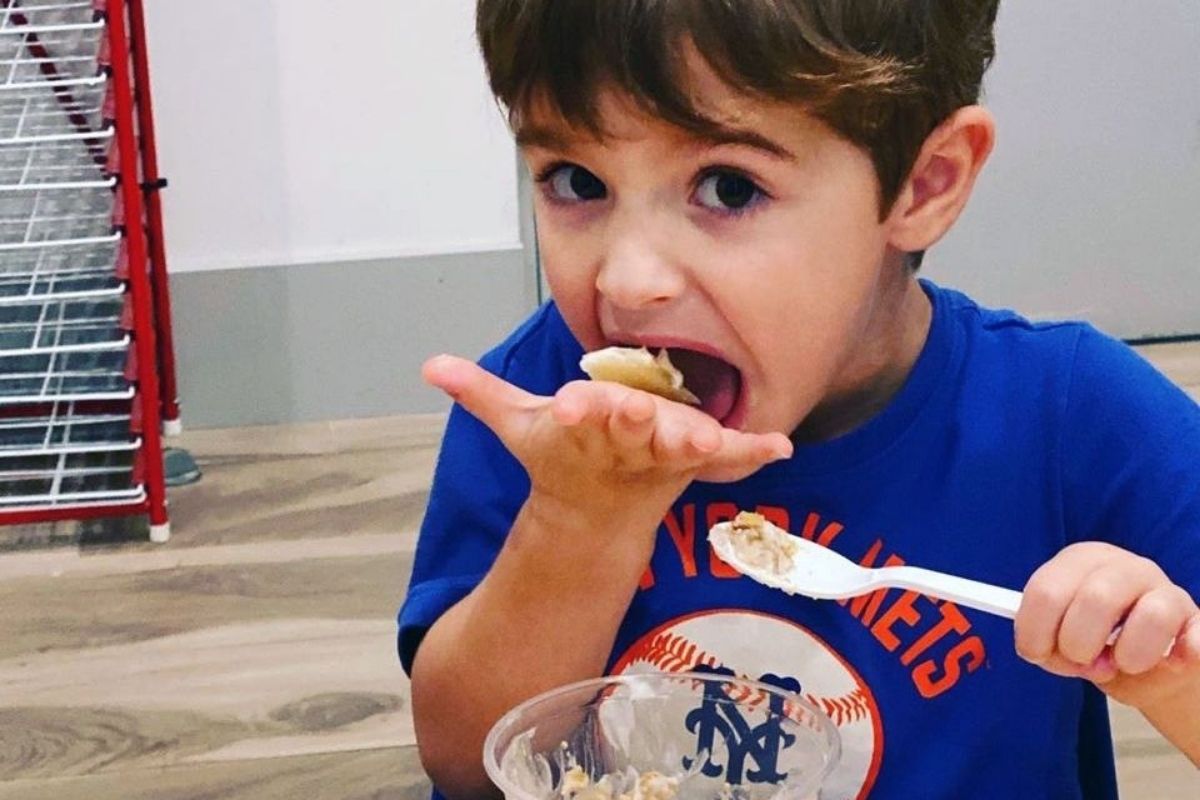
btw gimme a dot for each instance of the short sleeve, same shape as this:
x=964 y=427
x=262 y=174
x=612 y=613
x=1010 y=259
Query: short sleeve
x=478 y=486
x=1130 y=455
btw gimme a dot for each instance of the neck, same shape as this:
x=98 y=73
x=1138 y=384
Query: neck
x=876 y=370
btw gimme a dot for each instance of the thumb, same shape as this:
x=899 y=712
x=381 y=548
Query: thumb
x=493 y=400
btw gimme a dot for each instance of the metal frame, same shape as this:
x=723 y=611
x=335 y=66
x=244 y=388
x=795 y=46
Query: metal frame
x=154 y=183
x=84 y=307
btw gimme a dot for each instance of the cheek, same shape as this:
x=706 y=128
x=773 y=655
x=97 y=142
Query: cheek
x=570 y=274
x=812 y=278
x=805 y=294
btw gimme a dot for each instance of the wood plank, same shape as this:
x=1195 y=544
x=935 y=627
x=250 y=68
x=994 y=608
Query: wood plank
x=73 y=613
x=1180 y=361
x=386 y=774
x=376 y=492
x=404 y=432
x=72 y=563
x=245 y=691
x=1153 y=776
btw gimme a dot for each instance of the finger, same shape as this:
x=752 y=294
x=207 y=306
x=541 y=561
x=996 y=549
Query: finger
x=1104 y=598
x=1044 y=601
x=685 y=439
x=1103 y=670
x=1057 y=665
x=495 y=401
x=742 y=454
x=1047 y=596
x=587 y=403
x=1188 y=646
x=1150 y=628
x=746 y=459
x=632 y=424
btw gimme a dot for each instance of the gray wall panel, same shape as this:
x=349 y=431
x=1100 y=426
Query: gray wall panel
x=334 y=341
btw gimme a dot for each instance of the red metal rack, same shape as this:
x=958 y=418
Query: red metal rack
x=87 y=368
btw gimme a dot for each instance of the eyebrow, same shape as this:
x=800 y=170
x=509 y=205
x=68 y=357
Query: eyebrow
x=553 y=139
x=746 y=138
x=546 y=138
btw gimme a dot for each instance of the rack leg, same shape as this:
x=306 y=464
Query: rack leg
x=141 y=290
x=148 y=150
x=160 y=534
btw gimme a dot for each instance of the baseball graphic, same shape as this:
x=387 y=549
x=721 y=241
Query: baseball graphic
x=755 y=645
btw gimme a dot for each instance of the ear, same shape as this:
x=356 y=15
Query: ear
x=942 y=178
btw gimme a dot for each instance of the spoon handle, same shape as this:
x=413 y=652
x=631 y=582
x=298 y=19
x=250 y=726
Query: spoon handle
x=965 y=592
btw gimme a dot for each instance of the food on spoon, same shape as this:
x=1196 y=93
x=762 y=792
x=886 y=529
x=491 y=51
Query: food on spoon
x=758 y=543
x=638 y=368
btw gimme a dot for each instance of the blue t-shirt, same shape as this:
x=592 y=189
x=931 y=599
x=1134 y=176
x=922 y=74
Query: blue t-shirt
x=1009 y=441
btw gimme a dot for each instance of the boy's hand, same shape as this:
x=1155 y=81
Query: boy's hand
x=601 y=444
x=1075 y=601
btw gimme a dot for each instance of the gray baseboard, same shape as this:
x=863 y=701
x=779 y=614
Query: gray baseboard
x=336 y=341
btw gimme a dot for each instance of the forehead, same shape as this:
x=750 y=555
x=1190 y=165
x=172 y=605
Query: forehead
x=730 y=118
x=720 y=113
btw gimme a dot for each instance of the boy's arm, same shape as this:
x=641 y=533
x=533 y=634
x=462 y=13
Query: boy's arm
x=1075 y=601
x=1177 y=714
x=604 y=464
x=1131 y=504
x=544 y=616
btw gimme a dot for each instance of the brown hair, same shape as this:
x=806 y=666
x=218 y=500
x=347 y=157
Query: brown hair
x=882 y=73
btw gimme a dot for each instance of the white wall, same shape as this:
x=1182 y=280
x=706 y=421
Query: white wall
x=1091 y=205
x=298 y=131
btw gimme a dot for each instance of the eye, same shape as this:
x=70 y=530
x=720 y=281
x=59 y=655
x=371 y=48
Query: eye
x=571 y=183
x=728 y=192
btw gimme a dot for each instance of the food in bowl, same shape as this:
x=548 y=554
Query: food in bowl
x=701 y=735
x=577 y=785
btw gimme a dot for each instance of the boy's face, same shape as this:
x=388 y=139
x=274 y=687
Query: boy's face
x=761 y=264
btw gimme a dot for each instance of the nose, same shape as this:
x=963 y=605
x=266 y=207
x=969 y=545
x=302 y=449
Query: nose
x=637 y=272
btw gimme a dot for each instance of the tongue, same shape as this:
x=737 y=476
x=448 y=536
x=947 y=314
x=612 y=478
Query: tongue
x=716 y=382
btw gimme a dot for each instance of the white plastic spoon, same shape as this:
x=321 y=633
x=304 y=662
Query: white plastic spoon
x=818 y=572
x=796 y=565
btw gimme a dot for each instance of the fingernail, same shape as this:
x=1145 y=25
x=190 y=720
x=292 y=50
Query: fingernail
x=432 y=370
x=1102 y=670
x=1189 y=653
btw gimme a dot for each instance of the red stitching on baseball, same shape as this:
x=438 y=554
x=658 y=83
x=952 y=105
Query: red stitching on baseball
x=674 y=653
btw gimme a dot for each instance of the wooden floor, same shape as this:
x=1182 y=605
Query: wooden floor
x=254 y=656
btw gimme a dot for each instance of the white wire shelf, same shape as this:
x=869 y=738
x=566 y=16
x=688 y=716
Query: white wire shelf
x=33 y=287
x=49 y=270
x=65 y=429
x=39 y=217
x=61 y=177
x=56 y=157
x=70 y=478
x=57 y=326
x=48 y=46
x=71 y=502
x=18 y=17
x=50 y=107
x=65 y=376
x=15 y=254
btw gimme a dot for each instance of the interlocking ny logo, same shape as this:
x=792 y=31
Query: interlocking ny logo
x=759 y=745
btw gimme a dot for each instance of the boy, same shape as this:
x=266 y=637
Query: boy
x=750 y=184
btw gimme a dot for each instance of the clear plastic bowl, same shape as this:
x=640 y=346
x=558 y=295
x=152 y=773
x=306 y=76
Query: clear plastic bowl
x=721 y=737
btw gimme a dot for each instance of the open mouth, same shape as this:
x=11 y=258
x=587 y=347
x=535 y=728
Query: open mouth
x=716 y=382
